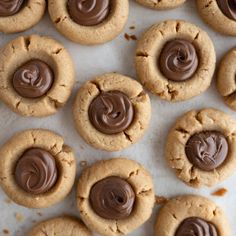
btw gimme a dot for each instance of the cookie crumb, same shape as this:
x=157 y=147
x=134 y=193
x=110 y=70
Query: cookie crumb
x=83 y=164
x=160 y=200
x=133 y=37
x=132 y=27
x=130 y=37
x=5 y=231
x=39 y=214
x=19 y=217
x=127 y=36
x=220 y=192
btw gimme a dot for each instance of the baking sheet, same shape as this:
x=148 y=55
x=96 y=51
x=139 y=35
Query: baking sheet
x=117 y=56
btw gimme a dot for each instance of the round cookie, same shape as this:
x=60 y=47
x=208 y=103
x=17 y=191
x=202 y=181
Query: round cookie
x=219 y=14
x=112 y=112
x=175 y=60
x=115 y=196
x=37 y=169
x=226 y=78
x=60 y=226
x=201 y=147
x=36 y=75
x=90 y=23
x=20 y=15
x=161 y=5
x=191 y=215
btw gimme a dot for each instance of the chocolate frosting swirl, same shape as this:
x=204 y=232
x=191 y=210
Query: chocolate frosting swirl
x=111 y=112
x=207 y=150
x=178 y=60
x=10 y=7
x=33 y=80
x=228 y=7
x=112 y=198
x=88 y=12
x=196 y=227
x=36 y=171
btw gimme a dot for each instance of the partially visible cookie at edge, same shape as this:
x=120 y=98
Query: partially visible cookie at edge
x=191 y=213
x=161 y=5
x=60 y=226
x=226 y=78
x=218 y=14
x=20 y=15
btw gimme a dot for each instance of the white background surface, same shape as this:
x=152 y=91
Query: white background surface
x=118 y=56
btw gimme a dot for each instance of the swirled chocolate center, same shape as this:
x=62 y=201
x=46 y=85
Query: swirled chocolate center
x=207 y=150
x=196 y=227
x=88 y=12
x=178 y=60
x=112 y=198
x=33 y=80
x=36 y=171
x=228 y=7
x=111 y=112
x=10 y=7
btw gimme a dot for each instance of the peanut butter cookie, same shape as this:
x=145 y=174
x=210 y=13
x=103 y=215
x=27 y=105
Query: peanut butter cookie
x=37 y=169
x=226 y=78
x=115 y=197
x=112 y=112
x=161 y=5
x=219 y=14
x=36 y=75
x=201 y=147
x=20 y=15
x=90 y=22
x=175 y=60
x=191 y=215
x=61 y=226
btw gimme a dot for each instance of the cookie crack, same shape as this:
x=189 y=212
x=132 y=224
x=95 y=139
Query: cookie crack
x=182 y=130
x=140 y=97
x=44 y=232
x=18 y=104
x=27 y=43
x=198 y=118
x=55 y=102
x=97 y=86
x=60 y=19
x=133 y=173
x=57 y=51
x=208 y=4
x=3 y=178
x=174 y=216
x=142 y=54
x=172 y=92
x=118 y=230
x=196 y=36
x=145 y=192
x=33 y=137
x=13 y=48
x=177 y=27
x=128 y=137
